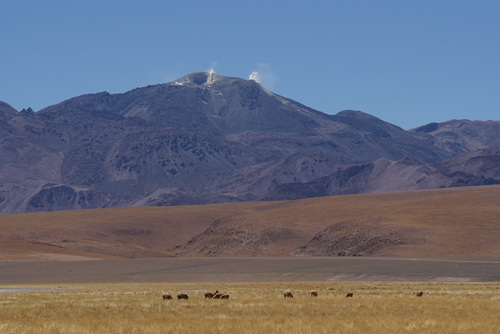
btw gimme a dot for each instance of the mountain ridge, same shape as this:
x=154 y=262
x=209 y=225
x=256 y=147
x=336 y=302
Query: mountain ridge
x=206 y=138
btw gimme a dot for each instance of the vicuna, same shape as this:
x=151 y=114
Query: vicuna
x=182 y=296
x=217 y=295
x=209 y=295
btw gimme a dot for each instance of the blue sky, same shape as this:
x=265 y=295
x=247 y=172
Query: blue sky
x=407 y=62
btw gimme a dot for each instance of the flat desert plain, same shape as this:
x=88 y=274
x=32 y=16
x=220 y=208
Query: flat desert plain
x=432 y=235
x=264 y=269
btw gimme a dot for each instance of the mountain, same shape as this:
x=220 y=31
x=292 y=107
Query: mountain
x=206 y=138
x=462 y=136
x=477 y=168
x=7 y=109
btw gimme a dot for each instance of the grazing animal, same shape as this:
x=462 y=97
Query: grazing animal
x=210 y=295
x=167 y=296
x=420 y=294
x=288 y=294
x=224 y=297
x=217 y=295
x=182 y=296
x=314 y=293
x=349 y=295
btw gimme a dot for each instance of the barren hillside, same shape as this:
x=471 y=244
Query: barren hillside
x=206 y=139
x=457 y=222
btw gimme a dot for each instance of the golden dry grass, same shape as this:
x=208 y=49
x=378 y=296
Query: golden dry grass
x=255 y=308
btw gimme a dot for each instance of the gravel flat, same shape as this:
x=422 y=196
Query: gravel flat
x=253 y=270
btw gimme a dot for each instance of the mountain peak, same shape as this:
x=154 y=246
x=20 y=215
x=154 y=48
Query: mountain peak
x=201 y=79
x=209 y=79
x=207 y=138
x=355 y=114
x=198 y=78
x=6 y=108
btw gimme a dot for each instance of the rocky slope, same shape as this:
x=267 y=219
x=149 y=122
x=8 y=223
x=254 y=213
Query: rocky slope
x=462 y=136
x=206 y=138
x=481 y=167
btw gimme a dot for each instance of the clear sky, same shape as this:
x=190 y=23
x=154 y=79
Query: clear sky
x=408 y=62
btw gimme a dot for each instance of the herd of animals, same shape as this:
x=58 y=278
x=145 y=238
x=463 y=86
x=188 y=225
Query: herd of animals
x=208 y=295
x=286 y=294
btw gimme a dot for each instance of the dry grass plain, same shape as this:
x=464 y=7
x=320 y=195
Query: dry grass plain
x=253 y=308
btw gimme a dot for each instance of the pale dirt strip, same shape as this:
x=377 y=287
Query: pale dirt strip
x=28 y=290
x=362 y=269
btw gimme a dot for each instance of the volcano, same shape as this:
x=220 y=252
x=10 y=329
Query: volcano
x=203 y=138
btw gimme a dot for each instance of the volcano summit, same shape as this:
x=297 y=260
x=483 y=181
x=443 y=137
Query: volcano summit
x=206 y=138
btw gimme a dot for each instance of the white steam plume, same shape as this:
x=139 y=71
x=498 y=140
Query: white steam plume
x=212 y=67
x=211 y=77
x=264 y=75
x=254 y=76
x=211 y=73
